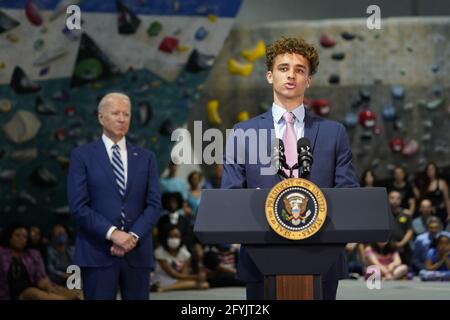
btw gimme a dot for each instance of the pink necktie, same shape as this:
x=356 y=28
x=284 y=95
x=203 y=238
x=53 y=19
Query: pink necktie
x=290 y=142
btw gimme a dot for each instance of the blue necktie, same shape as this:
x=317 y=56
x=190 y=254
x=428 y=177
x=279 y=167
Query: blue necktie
x=119 y=173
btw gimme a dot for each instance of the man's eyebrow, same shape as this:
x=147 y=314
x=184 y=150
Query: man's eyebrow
x=287 y=64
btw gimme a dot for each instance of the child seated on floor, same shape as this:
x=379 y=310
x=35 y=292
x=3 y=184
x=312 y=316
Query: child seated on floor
x=385 y=257
x=172 y=269
x=437 y=263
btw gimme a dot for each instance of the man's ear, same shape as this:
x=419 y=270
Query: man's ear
x=309 y=81
x=100 y=118
x=269 y=77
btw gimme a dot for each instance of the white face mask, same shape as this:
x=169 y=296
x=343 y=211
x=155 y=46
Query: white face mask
x=173 y=243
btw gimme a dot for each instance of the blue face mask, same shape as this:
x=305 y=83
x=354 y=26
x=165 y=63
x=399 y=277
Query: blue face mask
x=60 y=239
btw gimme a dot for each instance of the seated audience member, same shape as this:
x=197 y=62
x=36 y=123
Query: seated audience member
x=419 y=224
x=194 y=194
x=215 y=179
x=368 y=179
x=172 y=183
x=22 y=272
x=173 y=216
x=406 y=190
x=37 y=241
x=402 y=232
x=423 y=242
x=172 y=268
x=386 y=257
x=220 y=263
x=435 y=188
x=60 y=255
x=438 y=260
x=355 y=258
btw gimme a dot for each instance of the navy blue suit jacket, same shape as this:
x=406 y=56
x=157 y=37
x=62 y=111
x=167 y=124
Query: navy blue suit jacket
x=95 y=203
x=332 y=168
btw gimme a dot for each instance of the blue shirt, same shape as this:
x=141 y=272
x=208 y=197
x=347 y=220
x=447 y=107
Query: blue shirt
x=433 y=256
x=421 y=246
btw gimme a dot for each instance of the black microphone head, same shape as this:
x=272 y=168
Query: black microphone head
x=302 y=143
x=279 y=143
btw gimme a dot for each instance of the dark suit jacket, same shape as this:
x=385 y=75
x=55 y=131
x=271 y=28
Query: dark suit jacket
x=95 y=203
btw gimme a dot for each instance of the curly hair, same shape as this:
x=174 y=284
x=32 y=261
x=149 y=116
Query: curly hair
x=293 y=45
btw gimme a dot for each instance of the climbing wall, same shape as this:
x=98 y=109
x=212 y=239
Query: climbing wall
x=390 y=87
x=51 y=80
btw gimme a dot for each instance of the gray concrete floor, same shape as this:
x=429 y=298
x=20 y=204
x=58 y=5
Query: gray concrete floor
x=348 y=290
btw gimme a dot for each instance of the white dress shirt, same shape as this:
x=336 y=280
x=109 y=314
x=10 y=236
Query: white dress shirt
x=123 y=152
x=124 y=157
x=280 y=124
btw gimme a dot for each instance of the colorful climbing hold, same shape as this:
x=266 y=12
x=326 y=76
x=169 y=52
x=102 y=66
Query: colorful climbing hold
x=327 y=42
x=242 y=69
x=201 y=33
x=243 y=116
x=168 y=44
x=154 y=29
x=257 y=52
x=33 y=13
x=213 y=112
x=367 y=118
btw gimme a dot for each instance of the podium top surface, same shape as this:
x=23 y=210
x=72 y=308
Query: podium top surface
x=238 y=216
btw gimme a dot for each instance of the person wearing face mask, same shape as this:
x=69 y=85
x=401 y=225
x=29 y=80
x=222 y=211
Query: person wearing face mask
x=172 y=271
x=22 y=271
x=60 y=255
x=172 y=215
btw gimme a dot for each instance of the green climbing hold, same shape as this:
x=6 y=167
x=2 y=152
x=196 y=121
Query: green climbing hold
x=154 y=29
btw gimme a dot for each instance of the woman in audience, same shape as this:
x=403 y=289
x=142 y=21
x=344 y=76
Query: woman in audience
x=368 y=179
x=22 y=272
x=172 y=270
x=387 y=259
x=437 y=263
x=37 y=241
x=194 y=193
x=436 y=189
x=60 y=255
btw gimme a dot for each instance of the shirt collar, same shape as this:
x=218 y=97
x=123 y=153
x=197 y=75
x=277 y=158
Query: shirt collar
x=277 y=112
x=109 y=143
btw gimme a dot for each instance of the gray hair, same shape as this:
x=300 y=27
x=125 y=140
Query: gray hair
x=109 y=97
x=434 y=219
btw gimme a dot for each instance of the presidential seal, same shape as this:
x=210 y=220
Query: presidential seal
x=296 y=208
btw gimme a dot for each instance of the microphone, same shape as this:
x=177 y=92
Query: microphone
x=305 y=157
x=278 y=158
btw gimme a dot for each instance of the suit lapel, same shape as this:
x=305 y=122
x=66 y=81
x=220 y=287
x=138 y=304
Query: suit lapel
x=105 y=163
x=266 y=122
x=133 y=160
x=311 y=128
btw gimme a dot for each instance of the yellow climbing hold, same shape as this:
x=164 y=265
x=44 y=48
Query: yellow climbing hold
x=243 y=116
x=213 y=112
x=257 y=52
x=12 y=37
x=212 y=18
x=242 y=69
x=182 y=48
x=2 y=65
